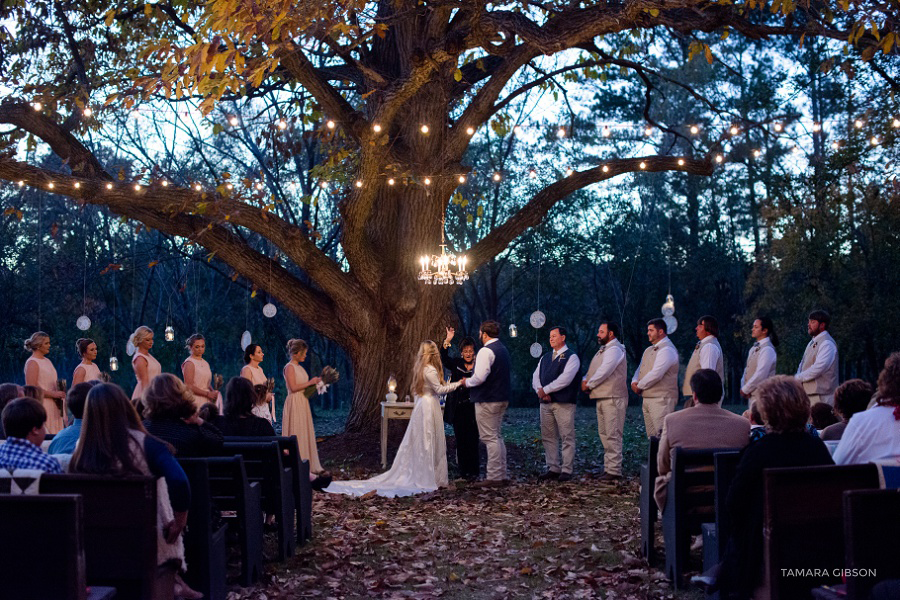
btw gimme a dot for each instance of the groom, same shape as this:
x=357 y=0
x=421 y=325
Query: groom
x=490 y=392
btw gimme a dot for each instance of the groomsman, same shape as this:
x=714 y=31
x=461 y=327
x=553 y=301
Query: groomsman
x=607 y=383
x=761 y=359
x=489 y=390
x=818 y=371
x=555 y=381
x=707 y=355
x=656 y=378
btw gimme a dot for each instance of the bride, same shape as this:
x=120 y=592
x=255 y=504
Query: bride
x=421 y=461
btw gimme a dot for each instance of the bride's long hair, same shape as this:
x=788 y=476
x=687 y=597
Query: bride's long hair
x=428 y=355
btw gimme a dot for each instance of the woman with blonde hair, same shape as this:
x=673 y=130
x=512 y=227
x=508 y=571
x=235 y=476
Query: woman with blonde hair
x=40 y=372
x=86 y=370
x=421 y=461
x=171 y=415
x=145 y=366
x=197 y=374
x=297 y=418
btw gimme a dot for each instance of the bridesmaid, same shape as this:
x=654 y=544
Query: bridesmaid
x=86 y=370
x=40 y=372
x=253 y=355
x=145 y=366
x=197 y=374
x=297 y=418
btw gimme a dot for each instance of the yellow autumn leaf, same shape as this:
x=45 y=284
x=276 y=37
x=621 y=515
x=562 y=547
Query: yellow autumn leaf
x=457 y=75
x=110 y=16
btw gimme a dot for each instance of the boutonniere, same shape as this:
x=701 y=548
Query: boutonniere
x=561 y=356
x=655 y=348
x=815 y=344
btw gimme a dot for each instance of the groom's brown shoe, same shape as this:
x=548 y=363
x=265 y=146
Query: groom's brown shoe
x=491 y=483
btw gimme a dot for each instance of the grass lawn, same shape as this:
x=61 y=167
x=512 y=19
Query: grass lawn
x=529 y=540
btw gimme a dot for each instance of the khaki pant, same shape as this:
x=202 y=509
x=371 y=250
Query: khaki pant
x=489 y=416
x=816 y=398
x=610 y=425
x=558 y=425
x=655 y=410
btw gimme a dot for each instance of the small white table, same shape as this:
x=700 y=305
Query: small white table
x=392 y=410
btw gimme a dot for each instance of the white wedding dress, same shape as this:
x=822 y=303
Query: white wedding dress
x=421 y=462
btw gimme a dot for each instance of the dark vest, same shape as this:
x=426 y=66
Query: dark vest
x=496 y=385
x=551 y=369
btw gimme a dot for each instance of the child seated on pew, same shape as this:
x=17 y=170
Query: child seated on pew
x=114 y=442
x=23 y=421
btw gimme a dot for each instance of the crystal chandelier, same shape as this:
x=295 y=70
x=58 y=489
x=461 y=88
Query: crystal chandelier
x=442 y=265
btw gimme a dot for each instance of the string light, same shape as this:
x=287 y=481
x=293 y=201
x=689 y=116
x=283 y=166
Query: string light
x=259 y=185
x=874 y=140
x=517 y=130
x=462 y=178
x=496 y=176
x=164 y=183
x=77 y=184
x=757 y=153
x=109 y=186
x=570 y=172
x=734 y=130
x=229 y=186
x=777 y=126
x=424 y=129
x=532 y=174
x=896 y=123
x=198 y=187
x=648 y=131
x=330 y=124
x=643 y=165
x=835 y=144
x=358 y=183
x=680 y=162
x=561 y=133
x=37 y=106
x=88 y=112
x=233 y=121
x=282 y=124
x=606 y=132
x=859 y=123
x=427 y=181
x=21 y=183
x=137 y=187
x=470 y=130
x=817 y=127
x=695 y=130
x=376 y=128
x=391 y=181
x=50 y=185
x=606 y=168
x=719 y=158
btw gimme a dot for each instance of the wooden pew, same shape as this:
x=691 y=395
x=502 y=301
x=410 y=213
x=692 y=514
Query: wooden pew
x=647 y=504
x=119 y=532
x=204 y=539
x=53 y=568
x=231 y=490
x=301 y=484
x=263 y=461
x=803 y=525
x=716 y=535
x=690 y=502
x=872 y=534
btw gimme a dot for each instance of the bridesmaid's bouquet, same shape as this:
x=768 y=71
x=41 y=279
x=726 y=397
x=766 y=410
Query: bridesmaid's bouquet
x=329 y=375
x=61 y=385
x=105 y=377
x=218 y=380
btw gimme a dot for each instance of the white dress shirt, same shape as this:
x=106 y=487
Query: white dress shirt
x=709 y=353
x=573 y=365
x=666 y=356
x=765 y=365
x=612 y=358
x=483 y=362
x=870 y=435
x=827 y=353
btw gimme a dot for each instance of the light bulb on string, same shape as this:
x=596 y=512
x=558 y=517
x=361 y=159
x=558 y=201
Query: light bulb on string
x=137 y=187
x=734 y=130
x=605 y=132
x=376 y=128
x=517 y=130
x=198 y=187
x=817 y=127
x=164 y=183
x=569 y=172
x=561 y=132
x=109 y=186
x=229 y=186
x=496 y=176
x=330 y=124
x=680 y=162
x=895 y=123
x=695 y=130
x=88 y=112
x=391 y=181
x=77 y=185
x=424 y=129
x=37 y=106
x=643 y=165
x=233 y=121
x=462 y=178
x=358 y=183
x=21 y=183
x=470 y=130
x=874 y=140
x=719 y=158
x=777 y=127
x=757 y=153
x=427 y=181
x=835 y=144
x=51 y=185
x=532 y=174
x=858 y=123
x=259 y=185
x=282 y=124
x=605 y=168
x=648 y=131
x=323 y=185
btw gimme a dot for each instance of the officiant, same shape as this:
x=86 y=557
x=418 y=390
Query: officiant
x=459 y=410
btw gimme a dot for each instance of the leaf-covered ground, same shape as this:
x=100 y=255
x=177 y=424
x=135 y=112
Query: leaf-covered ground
x=528 y=540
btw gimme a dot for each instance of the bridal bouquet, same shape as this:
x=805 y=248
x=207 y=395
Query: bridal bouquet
x=329 y=375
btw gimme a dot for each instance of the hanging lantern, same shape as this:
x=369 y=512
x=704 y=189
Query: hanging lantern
x=536 y=350
x=83 y=323
x=513 y=330
x=668 y=309
x=170 y=333
x=246 y=339
x=113 y=363
x=671 y=324
x=269 y=310
x=537 y=319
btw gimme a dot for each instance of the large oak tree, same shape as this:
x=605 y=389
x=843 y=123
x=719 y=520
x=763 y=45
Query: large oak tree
x=370 y=74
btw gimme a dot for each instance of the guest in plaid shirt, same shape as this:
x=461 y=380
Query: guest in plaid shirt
x=23 y=422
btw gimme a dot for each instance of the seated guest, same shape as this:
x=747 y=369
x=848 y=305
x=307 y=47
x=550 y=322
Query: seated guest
x=23 y=421
x=785 y=409
x=850 y=397
x=757 y=427
x=821 y=415
x=240 y=398
x=874 y=434
x=171 y=415
x=64 y=441
x=113 y=442
x=8 y=392
x=208 y=412
x=704 y=425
